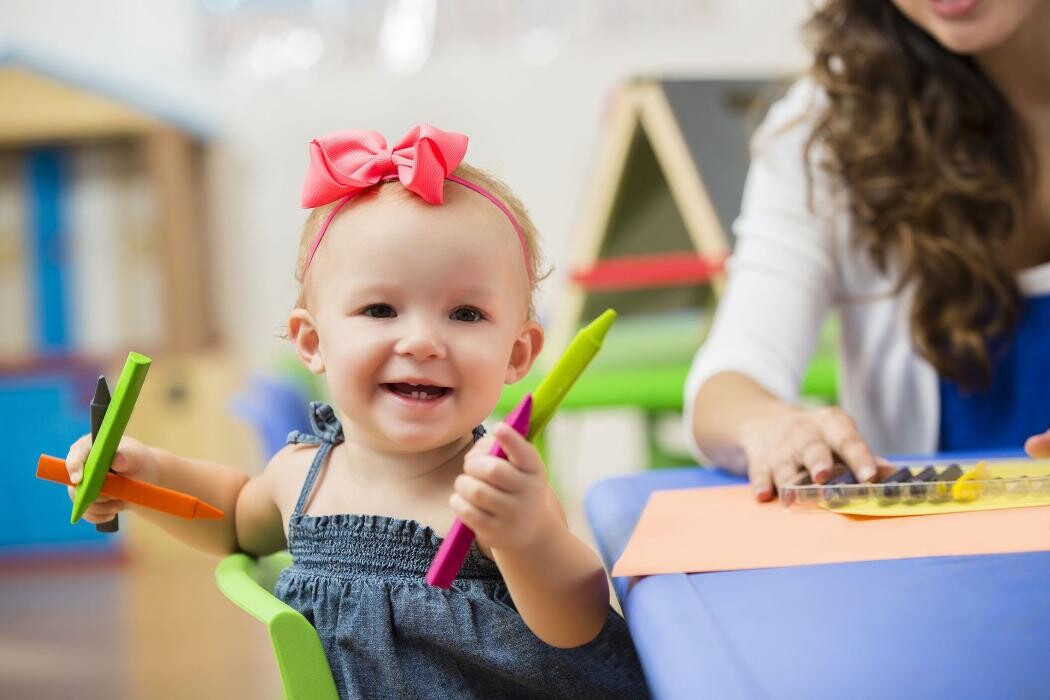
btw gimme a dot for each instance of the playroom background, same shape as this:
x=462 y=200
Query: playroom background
x=151 y=156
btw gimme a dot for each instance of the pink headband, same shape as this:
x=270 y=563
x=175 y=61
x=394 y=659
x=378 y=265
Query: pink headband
x=347 y=163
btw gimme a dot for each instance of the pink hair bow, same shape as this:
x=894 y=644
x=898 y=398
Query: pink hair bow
x=346 y=162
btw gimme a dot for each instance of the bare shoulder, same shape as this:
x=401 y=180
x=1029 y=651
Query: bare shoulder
x=286 y=471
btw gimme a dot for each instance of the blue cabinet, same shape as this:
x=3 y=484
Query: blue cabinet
x=42 y=412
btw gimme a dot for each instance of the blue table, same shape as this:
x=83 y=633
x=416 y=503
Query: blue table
x=941 y=627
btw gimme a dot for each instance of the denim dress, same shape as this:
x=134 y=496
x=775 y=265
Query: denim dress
x=359 y=579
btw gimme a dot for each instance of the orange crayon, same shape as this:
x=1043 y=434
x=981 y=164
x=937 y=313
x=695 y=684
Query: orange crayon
x=133 y=491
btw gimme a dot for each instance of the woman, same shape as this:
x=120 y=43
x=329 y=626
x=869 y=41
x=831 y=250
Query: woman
x=903 y=183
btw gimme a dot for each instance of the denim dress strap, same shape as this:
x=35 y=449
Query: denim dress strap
x=327 y=434
x=325 y=425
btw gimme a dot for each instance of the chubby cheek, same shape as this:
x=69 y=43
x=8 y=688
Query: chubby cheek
x=352 y=373
x=485 y=371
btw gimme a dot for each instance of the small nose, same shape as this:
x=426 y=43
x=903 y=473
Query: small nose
x=421 y=341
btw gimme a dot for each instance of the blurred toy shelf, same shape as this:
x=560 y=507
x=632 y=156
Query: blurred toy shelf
x=102 y=250
x=652 y=243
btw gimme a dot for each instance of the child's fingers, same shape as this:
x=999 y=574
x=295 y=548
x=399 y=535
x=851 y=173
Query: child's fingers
x=482 y=446
x=480 y=495
x=120 y=461
x=496 y=472
x=520 y=452
x=101 y=500
x=78 y=452
x=473 y=517
x=103 y=515
x=102 y=510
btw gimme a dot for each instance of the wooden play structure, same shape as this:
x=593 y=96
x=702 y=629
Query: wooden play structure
x=102 y=244
x=103 y=248
x=655 y=232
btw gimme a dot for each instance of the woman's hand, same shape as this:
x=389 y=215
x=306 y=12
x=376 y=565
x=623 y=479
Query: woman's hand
x=779 y=448
x=133 y=459
x=504 y=501
x=1038 y=446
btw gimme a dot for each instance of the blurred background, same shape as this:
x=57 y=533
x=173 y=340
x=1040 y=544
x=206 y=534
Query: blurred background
x=151 y=157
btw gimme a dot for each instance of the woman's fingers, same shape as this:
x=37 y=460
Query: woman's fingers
x=761 y=478
x=842 y=435
x=805 y=442
x=767 y=479
x=785 y=473
x=815 y=456
x=1038 y=446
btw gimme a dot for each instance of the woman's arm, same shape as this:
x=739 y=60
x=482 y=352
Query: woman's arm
x=783 y=278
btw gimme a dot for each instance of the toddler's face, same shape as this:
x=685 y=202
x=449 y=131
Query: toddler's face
x=420 y=313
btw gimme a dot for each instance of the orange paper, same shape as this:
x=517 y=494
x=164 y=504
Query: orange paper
x=724 y=529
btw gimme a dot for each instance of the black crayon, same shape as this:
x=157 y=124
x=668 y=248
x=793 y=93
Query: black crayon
x=918 y=487
x=942 y=490
x=99 y=404
x=890 y=491
x=837 y=491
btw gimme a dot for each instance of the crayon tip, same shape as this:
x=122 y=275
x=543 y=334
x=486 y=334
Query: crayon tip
x=102 y=396
x=597 y=328
x=208 y=512
x=521 y=415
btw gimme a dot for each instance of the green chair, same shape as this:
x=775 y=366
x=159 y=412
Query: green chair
x=249 y=583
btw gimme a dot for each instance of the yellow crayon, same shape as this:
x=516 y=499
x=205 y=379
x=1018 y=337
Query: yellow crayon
x=964 y=491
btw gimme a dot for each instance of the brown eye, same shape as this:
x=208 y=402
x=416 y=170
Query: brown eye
x=379 y=311
x=466 y=314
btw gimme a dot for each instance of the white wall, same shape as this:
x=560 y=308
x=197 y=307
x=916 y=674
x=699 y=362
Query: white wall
x=536 y=127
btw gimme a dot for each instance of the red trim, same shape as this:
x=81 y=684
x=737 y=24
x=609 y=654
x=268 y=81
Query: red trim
x=645 y=271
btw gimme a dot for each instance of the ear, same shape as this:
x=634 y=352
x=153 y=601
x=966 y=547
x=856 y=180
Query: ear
x=302 y=330
x=526 y=349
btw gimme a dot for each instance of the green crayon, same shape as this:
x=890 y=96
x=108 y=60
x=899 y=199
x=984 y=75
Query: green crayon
x=104 y=447
x=566 y=371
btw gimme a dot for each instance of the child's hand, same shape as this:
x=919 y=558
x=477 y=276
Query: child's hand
x=133 y=459
x=504 y=501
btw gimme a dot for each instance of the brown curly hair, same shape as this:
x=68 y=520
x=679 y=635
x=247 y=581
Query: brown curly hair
x=936 y=166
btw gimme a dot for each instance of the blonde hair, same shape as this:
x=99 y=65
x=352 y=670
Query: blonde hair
x=537 y=267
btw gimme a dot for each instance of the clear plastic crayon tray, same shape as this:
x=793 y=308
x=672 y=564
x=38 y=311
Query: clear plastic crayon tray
x=928 y=487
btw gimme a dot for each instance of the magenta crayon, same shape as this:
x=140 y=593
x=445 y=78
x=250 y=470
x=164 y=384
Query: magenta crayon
x=454 y=549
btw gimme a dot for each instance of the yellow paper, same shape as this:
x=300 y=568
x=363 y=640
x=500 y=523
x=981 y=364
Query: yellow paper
x=723 y=529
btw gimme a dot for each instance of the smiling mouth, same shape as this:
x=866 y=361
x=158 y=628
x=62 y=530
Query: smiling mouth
x=418 y=392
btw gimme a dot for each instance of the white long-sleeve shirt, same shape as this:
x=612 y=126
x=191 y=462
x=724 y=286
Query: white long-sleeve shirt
x=790 y=267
